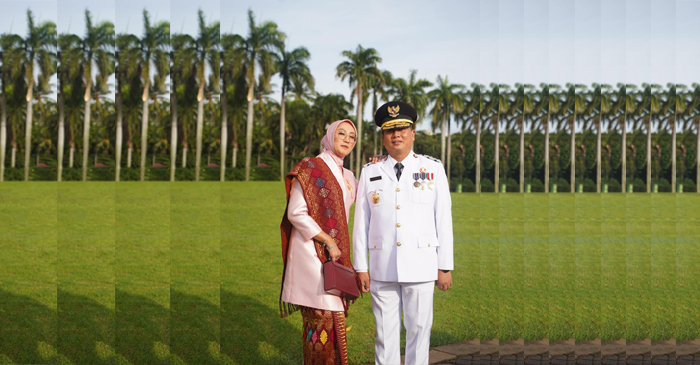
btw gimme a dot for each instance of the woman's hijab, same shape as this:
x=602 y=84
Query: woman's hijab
x=328 y=142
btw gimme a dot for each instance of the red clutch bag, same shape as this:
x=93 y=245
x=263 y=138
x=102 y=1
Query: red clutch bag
x=339 y=280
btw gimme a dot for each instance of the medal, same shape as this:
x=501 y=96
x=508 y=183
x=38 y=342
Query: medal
x=431 y=184
x=375 y=197
x=416 y=176
x=416 y=184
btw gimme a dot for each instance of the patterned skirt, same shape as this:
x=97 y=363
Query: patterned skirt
x=324 y=337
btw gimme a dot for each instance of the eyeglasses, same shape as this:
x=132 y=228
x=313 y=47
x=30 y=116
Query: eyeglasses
x=344 y=136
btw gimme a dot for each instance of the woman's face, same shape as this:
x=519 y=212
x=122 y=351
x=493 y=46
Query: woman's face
x=344 y=139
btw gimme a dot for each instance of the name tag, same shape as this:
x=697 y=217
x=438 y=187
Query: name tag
x=375 y=178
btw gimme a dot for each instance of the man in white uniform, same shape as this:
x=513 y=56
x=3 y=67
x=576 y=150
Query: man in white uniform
x=403 y=220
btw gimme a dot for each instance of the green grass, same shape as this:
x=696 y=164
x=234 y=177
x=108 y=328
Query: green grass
x=186 y=273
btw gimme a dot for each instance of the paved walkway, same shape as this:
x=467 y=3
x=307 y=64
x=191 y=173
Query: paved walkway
x=620 y=352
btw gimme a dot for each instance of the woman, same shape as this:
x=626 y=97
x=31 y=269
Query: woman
x=314 y=229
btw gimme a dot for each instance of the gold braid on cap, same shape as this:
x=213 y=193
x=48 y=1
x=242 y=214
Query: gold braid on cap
x=397 y=123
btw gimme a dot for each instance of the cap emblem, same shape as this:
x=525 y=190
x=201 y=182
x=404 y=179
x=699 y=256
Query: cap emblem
x=393 y=111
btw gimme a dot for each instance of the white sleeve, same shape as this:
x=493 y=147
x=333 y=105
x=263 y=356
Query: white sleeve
x=443 y=221
x=360 y=228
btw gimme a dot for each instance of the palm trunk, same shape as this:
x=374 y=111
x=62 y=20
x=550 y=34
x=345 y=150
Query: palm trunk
x=144 y=129
x=477 y=155
x=522 y=155
x=673 y=154
x=624 y=153
x=129 y=154
x=184 y=156
x=13 y=157
x=173 y=133
x=3 y=133
x=28 y=134
x=649 y=155
x=249 y=125
x=572 y=127
x=120 y=131
x=224 y=132
x=697 y=156
x=86 y=130
x=374 y=135
x=443 y=130
x=61 y=134
x=449 y=149
x=546 y=154
x=71 y=154
x=358 y=163
x=495 y=155
x=597 y=158
x=235 y=155
x=283 y=127
x=200 y=127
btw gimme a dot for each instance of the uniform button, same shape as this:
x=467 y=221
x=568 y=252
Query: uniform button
x=375 y=246
x=398 y=207
x=397 y=190
x=428 y=245
x=398 y=244
x=398 y=224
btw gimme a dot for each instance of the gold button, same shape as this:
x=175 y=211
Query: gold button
x=398 y=244
x=398 y=207
x=397 y=190
x=428 y=245
x=375 y=246
x=398 y=224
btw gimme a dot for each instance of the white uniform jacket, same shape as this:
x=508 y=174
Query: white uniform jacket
x=406 y=230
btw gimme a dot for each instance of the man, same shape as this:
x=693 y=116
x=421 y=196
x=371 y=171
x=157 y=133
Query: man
x=403 y=219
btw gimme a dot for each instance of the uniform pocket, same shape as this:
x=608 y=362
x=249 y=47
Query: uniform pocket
x=427 y=241
x=423 y=196
x=375 y=243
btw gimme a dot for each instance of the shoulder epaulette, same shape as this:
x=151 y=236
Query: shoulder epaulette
x=432 y=158
x=367 y=164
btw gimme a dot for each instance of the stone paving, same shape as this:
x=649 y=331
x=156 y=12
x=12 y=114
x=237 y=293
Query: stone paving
x=620 y=352
x=569 y=352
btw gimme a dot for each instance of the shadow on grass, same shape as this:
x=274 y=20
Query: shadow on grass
x=142 y=331
x=85 y=330
x=27 y=330
x=194 y=330
x=253 y=333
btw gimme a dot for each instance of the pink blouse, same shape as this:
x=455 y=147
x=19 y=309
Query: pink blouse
x=303 y=280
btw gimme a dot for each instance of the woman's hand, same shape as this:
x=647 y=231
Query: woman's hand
x=377 y=158
x=335 y=253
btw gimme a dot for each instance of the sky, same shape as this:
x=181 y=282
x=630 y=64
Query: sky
x=486 y=41
x=469 y=41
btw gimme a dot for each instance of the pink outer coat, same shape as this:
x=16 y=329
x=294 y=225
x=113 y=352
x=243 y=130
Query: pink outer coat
x=303 y=281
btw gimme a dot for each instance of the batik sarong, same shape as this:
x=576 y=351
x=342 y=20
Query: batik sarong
x=324 y=338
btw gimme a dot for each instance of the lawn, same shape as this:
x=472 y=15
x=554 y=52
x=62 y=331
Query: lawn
x=187 y=273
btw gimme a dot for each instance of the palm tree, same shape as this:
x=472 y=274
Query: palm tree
x=97 y=46
x=447 y=101
x=359 y=67
x=382 y=88
x=290 y=65
x=38 y=48
x=261 y=43
x=207 y=52
x=182 y=58
x=3 y=113
x=153 y=46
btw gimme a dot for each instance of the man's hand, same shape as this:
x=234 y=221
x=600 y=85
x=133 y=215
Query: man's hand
x=364 y=279
x=444 y=280
x=377 y=158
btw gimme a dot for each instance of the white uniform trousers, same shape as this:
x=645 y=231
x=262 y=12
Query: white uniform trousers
x=389 y=300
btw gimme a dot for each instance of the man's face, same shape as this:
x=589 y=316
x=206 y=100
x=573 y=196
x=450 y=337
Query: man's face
x=398 y=141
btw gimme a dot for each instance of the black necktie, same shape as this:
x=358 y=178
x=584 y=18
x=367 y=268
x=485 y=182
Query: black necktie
x=398 y=167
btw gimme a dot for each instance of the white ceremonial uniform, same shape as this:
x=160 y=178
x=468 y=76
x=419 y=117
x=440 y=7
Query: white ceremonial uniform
x=407 y=232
